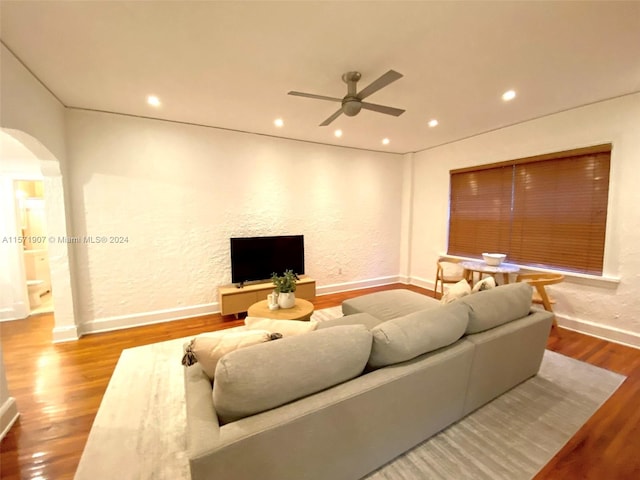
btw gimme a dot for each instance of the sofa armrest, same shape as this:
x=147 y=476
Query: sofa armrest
x=505 y=356
x=203 y=429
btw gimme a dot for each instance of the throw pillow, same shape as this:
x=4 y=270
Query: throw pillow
x=287 y=328
x=252 y=380
x=484 y=284
x=456 y=291
x=407 y=337
x=208 y=350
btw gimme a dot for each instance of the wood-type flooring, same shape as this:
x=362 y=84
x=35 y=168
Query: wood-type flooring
x=58 y=389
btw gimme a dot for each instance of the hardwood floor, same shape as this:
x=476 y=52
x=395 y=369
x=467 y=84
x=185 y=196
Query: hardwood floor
x=58 y=389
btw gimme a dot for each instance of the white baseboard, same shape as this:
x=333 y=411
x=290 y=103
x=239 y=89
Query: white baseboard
x=159 y=316
x=605 y=332
x=134 y=320
x=357 y=285
x=65 y=334
x=147 y=318
x=420 y=282
x=8 y=416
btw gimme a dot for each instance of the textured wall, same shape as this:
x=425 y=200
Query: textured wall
x=599 y=307
x=177 y=193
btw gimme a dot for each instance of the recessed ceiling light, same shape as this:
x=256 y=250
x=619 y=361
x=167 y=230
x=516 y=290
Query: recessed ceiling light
x=338 y=133
x=385 y=141
x=508 y=95
x=433 y=123
x=278 y=122
x=153 y=100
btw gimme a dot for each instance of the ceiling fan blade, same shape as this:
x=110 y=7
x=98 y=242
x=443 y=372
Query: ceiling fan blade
x=331 y=118
x=396 y=112
x=319 y=97
x=383 y=81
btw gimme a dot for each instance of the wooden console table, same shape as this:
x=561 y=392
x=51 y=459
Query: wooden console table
x=234 y=300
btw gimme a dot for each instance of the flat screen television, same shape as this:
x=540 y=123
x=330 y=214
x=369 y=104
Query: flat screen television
x=257 y=258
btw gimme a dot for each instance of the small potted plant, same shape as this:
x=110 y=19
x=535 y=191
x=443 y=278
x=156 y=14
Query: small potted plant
x=285 y=286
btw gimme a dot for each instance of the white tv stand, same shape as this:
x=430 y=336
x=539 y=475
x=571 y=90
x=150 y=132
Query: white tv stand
x=234 y=299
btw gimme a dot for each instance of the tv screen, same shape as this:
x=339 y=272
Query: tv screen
x=256 y=258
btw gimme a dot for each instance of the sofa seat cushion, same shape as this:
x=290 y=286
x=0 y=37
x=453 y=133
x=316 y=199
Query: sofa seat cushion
x=412 y=335
x=389 y=304
x=496 y=306
x=265 y=376
x=365 y=319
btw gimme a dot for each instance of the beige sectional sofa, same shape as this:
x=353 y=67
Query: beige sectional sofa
x=343 y=400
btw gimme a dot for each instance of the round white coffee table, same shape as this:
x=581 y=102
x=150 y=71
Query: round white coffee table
x=302 y=310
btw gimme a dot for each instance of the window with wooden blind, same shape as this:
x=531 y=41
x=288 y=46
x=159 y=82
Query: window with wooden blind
x=545 y=211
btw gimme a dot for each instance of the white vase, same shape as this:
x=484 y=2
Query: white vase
x=286 y=300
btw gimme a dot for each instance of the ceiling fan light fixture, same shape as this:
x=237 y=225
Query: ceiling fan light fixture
x=351 y=108
x=338 y=133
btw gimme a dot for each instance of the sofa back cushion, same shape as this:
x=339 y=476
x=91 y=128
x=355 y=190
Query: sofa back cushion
x=407 y=337
x=268 y=375
x=497 y=306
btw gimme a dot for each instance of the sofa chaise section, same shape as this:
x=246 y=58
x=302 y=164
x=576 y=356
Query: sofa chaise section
x=389 y=304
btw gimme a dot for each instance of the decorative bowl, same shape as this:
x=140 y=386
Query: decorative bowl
x=493 y=259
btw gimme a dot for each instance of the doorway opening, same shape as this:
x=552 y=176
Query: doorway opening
x=30 y=201
x=33 y=207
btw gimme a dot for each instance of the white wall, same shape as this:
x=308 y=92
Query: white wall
x=26 y=105
x=178 y=192
x=608 y=309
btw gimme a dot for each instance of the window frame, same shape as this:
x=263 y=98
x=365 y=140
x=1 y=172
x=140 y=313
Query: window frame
x=494 y=183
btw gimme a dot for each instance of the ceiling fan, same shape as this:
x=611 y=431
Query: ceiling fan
x=352 y=102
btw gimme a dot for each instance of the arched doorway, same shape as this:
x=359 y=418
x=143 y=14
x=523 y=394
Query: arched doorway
x=22 y=155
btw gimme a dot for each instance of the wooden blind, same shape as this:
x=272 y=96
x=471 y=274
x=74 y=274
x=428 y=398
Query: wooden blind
x=480 y=211
x=544 y=212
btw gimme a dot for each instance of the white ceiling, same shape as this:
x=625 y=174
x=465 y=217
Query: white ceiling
x=231 y=64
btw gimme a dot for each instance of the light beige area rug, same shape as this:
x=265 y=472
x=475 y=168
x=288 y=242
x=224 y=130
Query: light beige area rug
x=139 y=431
